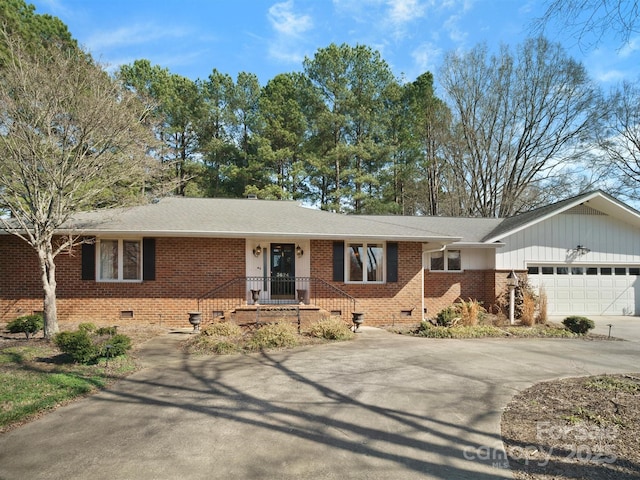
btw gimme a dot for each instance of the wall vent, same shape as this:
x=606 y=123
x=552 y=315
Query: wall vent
x=583 y=210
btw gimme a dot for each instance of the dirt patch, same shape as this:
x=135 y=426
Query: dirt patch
x=576 y=428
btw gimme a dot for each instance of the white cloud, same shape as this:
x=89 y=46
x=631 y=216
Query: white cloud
x=286 y=22
x=452 y=27
x=631 y=47
x=425 y=57
x=403 y=11
x=132 y=35
x=290 y=27
x=400 y=14
x=609 y=76
x=360 y=11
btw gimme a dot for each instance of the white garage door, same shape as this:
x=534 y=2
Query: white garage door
x=586 y=290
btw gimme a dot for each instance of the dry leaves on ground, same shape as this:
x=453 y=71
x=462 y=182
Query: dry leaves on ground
x=575 y=428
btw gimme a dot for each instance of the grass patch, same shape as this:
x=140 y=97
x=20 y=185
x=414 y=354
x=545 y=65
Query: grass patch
x=36 y=377
x=613 y=384
x=459 y=331
x=539 y=331
x=429 y=330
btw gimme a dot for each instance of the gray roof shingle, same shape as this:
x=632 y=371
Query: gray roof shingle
x=178 y=216
x=240 y=218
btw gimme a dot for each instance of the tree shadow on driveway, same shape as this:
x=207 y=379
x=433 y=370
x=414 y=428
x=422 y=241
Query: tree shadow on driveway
x=407 y=409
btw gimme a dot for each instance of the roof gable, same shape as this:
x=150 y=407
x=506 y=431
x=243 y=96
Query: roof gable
x=591 y=203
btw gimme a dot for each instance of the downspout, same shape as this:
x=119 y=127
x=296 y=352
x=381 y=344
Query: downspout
x=440 y=249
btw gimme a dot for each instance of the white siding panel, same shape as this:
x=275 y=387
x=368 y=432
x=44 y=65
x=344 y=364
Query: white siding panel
x=478 y=259
x=610 y=241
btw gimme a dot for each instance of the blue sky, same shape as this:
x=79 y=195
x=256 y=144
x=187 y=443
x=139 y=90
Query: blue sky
x=267 y=37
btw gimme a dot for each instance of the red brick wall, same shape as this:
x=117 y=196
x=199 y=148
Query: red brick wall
x=382 y=304
x=441 y=289
x=188 y=268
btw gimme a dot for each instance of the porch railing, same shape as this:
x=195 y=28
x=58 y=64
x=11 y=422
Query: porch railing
x=241 y=291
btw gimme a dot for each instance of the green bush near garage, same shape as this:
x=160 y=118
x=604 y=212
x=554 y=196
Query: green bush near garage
x=578 y=325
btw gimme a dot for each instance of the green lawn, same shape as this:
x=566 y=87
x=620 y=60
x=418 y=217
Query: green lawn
x=35 y=377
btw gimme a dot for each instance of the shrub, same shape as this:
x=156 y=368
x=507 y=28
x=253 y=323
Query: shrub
x=106 y=330
x=114 y=346
x=527 y=309
x=77 y=345
x=224 y=347
x=447 y=316
x=331 y=329
x=274 y=335
x=87 y=327
x=459 y=331
x=222 y=329
x=27 y=324
x=221 y=338
x=579 y=325
x=542 y=307
x=470 y=312
x=88 y=344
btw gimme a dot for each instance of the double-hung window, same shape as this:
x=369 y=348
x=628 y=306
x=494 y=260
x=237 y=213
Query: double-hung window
x=449 y=260
x=119 y=260
x=365 y=262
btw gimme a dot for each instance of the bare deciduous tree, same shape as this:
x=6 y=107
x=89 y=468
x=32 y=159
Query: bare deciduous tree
x=522 y=119
x=621 y=141
x=70 y=139
x=589 y=20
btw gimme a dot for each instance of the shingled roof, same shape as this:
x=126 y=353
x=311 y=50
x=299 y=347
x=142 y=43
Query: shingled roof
x=216 y=217
x=246 y=218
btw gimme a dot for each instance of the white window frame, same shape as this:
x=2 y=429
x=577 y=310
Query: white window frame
x=120 y=264
x=445 y=259
x=347 y=262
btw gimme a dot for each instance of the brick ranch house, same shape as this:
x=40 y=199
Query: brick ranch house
x=158 y=262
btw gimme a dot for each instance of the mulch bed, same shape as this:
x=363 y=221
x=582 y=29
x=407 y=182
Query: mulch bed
x=575 y=428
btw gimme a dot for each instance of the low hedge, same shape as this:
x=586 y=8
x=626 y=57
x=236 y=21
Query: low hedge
x=88 y=344
x=578 y=325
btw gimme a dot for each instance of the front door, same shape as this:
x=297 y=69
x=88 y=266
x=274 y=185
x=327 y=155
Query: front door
x=283 y=271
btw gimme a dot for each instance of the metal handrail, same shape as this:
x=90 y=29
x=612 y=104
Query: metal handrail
x=276 y=290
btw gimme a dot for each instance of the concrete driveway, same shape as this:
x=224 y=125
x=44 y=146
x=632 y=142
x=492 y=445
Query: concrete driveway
x=624 y=327
x=382 y=407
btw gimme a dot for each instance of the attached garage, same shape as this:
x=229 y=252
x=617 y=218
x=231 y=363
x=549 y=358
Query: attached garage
x=588 y=290
x=585 y=251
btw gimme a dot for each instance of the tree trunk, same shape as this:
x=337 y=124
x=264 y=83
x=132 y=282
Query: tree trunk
x=48 y=273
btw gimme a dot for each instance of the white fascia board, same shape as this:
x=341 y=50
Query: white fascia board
x=298 y=236
x=549 y=215
x=493 y=245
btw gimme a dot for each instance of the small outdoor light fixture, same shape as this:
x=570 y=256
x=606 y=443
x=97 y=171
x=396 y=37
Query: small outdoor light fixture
x=299 y=251
x=581 y=250
x=512 y=283
x=257 y=251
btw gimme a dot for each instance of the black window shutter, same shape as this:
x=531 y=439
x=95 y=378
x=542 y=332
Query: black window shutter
x=392 y=262
x=149 y=259
x=338 y=261
x=88 y=261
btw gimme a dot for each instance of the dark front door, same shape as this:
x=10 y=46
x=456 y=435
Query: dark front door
x=283 y=271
